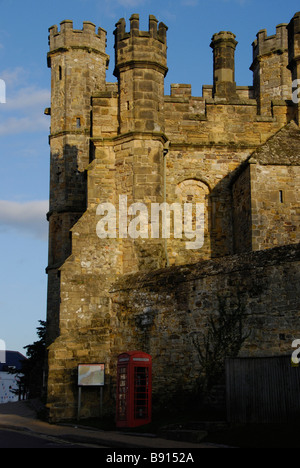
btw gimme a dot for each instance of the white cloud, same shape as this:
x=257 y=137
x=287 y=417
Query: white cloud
x=15 y=76
x=26 y=218
x=28 y=97
x=24 y=112
x=30 y=123
x=25 y=104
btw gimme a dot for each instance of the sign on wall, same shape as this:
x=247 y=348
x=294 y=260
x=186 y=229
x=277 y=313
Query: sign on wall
x=91 y=375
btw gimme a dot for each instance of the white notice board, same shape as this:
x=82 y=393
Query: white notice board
x=91 y=375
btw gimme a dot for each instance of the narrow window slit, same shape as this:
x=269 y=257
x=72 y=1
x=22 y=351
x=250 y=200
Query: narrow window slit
x=280 y=196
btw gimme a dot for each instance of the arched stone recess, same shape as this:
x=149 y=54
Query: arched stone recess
x=193 y=195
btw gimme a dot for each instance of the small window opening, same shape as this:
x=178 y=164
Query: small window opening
x=280 y=196
x=78 y=122
x=60 y=73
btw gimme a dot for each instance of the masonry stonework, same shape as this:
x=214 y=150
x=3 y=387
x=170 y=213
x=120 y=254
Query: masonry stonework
x=234 y=150
x=160 y=311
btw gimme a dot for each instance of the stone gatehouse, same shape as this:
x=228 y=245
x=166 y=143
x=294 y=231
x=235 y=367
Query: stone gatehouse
x=234 y=151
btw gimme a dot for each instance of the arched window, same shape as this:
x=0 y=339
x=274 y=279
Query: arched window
x=193 y=192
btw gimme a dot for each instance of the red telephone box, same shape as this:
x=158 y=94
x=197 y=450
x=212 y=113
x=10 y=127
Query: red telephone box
x=134 y=389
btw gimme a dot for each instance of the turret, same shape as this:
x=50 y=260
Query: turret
x=294 y=60
x=78 y=65
x=141 y=66
x=224 y=45
x=271 y=78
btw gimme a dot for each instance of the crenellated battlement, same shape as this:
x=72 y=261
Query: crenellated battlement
x=264 y=44
x=294 y=39
x=137 y=47
x=156 y=31
x=271 y=77
x=141 y=66
x=67 y=37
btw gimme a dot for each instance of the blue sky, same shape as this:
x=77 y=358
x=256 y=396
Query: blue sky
x=24 y=129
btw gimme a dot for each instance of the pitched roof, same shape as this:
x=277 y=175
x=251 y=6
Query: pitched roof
x=12 y=359
x=281 y=149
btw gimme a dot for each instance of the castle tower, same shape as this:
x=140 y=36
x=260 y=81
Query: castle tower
x=78 y=66
x=224 y=45
x=294 y=59
x=141 y=66
x=271 y=78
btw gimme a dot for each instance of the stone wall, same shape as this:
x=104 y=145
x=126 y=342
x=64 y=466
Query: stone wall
x=158 y=312
x=275 y=205
x=242 y=221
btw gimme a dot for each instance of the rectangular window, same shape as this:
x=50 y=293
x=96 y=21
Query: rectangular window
x=280 y=196
x=78 y=123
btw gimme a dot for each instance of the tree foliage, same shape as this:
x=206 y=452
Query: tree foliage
x=31 y=374
x=222 y=338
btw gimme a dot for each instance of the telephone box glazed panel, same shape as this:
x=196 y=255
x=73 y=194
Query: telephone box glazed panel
x=134 y=389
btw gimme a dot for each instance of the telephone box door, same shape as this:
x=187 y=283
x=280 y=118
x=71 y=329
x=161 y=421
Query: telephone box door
x=134 y=389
